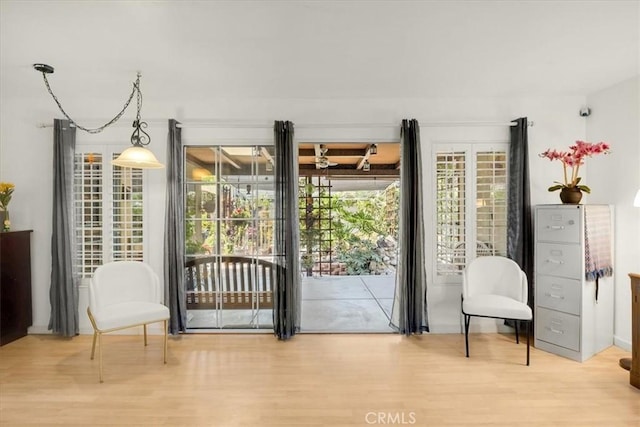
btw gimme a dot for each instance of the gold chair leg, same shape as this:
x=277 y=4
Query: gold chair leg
x=165 y=341
x=93 y=347
x=100 y=354
x=145 y=334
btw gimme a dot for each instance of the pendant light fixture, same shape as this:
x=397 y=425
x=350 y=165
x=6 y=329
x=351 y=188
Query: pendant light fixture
x=137 y=156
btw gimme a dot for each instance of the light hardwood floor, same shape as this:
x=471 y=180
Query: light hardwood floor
x=312 y=380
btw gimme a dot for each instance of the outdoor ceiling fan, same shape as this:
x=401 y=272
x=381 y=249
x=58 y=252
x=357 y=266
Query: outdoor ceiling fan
x=322 y=161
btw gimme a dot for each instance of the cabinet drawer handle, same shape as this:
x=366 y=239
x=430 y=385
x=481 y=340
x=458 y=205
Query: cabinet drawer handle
x=554 y=261
x=550 y=295
x=556 y=227
x=556 y=331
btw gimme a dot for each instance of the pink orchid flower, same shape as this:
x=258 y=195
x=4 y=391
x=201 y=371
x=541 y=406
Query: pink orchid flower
x=573 y=159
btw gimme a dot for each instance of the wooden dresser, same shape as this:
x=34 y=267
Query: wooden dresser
x=15 y=285
x=634 y=374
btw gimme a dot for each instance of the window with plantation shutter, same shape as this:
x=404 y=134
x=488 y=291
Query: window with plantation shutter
x=126 y=218
x=108 y=208
x=450 y=211
x=491 y=203
x=88 y=206
x=470 y=205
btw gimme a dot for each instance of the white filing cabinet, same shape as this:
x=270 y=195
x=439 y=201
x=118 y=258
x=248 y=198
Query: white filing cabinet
x=568 y=319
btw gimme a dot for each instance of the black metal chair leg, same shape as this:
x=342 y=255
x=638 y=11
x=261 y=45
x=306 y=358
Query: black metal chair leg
x=467 y=320
x=515 y=322
x=528 y=335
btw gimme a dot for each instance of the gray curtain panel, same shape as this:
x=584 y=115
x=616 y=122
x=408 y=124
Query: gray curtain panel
x=63 y=293
x=174 y=291
x=409 y=314
x=519 y=222
x=286 y=292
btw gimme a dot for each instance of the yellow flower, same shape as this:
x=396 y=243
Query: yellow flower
x=6 y=186
x=6 y=190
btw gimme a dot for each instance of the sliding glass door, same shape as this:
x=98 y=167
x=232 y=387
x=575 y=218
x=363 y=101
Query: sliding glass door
x=229 y=236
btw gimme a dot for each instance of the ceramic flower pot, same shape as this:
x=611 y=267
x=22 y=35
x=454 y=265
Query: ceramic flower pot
x=570 y=195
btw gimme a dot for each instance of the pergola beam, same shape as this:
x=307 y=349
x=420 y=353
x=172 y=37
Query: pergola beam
x=266 y=154
x=227 y=158
x=350 y=172
x=367 y=153
x=335 y=152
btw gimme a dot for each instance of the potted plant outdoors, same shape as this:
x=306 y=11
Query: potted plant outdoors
x=571 y=189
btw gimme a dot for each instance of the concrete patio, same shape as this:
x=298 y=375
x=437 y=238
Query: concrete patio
x=336 y=304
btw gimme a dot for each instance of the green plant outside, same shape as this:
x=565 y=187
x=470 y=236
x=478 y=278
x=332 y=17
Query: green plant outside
x=359 y=219
x=237 y=229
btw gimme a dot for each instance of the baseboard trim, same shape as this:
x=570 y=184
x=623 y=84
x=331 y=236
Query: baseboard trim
x=623 y=344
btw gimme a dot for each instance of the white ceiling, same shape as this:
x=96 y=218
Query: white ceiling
x=318 y=49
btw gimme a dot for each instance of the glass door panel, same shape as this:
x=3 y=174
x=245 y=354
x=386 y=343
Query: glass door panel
x=229 y=236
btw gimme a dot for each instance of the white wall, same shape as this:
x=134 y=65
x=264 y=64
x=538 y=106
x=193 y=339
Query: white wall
x=26 y=157
x=614 y=179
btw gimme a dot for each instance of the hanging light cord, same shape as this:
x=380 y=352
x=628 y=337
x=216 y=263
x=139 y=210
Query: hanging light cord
x=136 y=88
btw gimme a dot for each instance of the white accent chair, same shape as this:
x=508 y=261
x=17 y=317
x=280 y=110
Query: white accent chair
x=495 y=287
x=122 y=295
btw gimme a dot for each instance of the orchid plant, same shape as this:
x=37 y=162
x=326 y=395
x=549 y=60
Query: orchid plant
x=572 y=160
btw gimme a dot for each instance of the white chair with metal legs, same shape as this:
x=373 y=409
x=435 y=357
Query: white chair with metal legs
x=122 y=295
x=495 y=287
